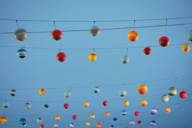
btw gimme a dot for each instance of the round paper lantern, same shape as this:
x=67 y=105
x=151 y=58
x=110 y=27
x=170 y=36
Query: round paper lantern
x=86 y=104
x=22 y=53
x=55 y=126
x=66 y=105
x=168 y=110
x=115 y=119
x=74 y=117
x=87 y=123
x=139 y=122
x=21 y=34
x=92 y=116
x=3 y=120
x=71 y=125
x=154 y=112
x=41 y=125
x=137 y=114
x=153 y=123
x=183 y=95
x=107 y=114
x=39 y=120
x=99 y=125
x=92 y=57
x=42 y=91
x=5 y=105
x=124 y=112
x=57 y=118
x=144 y=103
x=164 y=41
x=46 y=105
x=147 y=51
x=126 y=103
x=61 y=56
x=57 y=34
x=133 y=36
x=132 y=123
x=105 y=103
x=28 y=105
x=95 y=31
x=172 y=91
x=23 y=121
x=13 y=92
x=143 y=89
x=111 y=126
x=165 y=98
x=67 y=94
x=96 y=90
x=186 y=48
x=190 y=35
x=125 y=60
x=123 y=93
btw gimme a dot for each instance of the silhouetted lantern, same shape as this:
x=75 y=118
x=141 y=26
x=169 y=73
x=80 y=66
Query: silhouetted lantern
x=165 y=98
x=154 y=112
x=147 y=51
x=99 y=125
x=61 y=56
x=13 y=92
x=190 y=35
x=28 y=105
x=183 y=95
x=143 y=89
x=92 y=57
x=139 y=122
x=186 y=48
x=5 y=105
x=74 y=117
x=172 y=91
x=153 y=123
x=96 y=90
x=42 y=91
x=57 y=118
x=115 y=119
x=95 y=31
x=86 y=104
x=105 y=103
x=124 y=113
x=126 y=103
x=46 y=105
x=39 y=120
x=92 y=116
x=164 y=41
x=125 y=60
x=144 y=103
x=21 y=34
x=67 y=94
x=22 y=53
x=168 y=110
x=137 y=114
x=111 y=126
x=123 y=93
x=107 y=114
x=3 y=120
x=133 y=36
x=57 y=34
x=87 y=123
x=66 y=105
x=23 y=121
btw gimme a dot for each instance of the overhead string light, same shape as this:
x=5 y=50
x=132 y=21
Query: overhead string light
x=56 y=33
x=133 y=35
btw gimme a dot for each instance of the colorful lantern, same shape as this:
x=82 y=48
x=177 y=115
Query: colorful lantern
x=23 y=121
x=42 y=91
x=87 y=123
x=132 y=123
x=41 y=125
x=126 y=103
x=186 y=48
x=5 y=105
x=92 y=57
x=22 y=53
x=21 y=34
x=164 y=41
x=144 y=103
x=124 y=112
x=139 y=122
x=66 y=105
x=154 y=112
x=133 y=36
x=67 y=94
x=86 y=104
x=123 y=93
x=92 y=116
x=115 y=119
x=107 y=114
x=3 y=120
x=172 y=91
x=168 y=110
x=143 y=89
x=137 y=114
x=190 y=35
x=28 y=105
x=165 y=98
x=13 y=92
x=57 y=34
x=147 y=51
x=183 y=95
x=96 y=90
x=61 y=56
x=39 y=120
x=95 y=31
x=71 y=125
x=57 y=118
x=105 y=103
x=46 y=105
x=153 y=123
x=99 y=125
x=111 y=126
x=74 y=117
x=55 y=126
x=125 y=60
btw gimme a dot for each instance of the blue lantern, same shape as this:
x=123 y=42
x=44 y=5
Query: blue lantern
x=22 y=53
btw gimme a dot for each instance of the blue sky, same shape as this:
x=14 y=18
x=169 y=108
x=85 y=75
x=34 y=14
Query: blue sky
x=41 y=69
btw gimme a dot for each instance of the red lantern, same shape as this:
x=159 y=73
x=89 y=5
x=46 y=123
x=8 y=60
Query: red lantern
x=61 y=56
x=137 y=113
x=147 y=51
x=66 y=106
x=164 y=41
x=57 y=34
x=41 y=125
x=105 y=103
x=183 y=95
x=74 y=117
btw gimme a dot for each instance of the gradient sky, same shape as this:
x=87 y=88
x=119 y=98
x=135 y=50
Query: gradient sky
x=166 y=67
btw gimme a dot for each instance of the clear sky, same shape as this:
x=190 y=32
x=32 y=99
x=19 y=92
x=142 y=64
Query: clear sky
x=41 y=69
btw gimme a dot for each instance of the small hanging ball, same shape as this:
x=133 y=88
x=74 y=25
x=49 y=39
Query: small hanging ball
x=67 y=94
x=183 y=95
x=42 y=91
x=165 y=98
x=107 y=114
x=55 y=126
x=167 y=109
x=86 y=104
x=41 y=125
x=96 y=90
x=5 y=105
x=186 y=48
x=147 y=51
x=105 y=103
x=13 y=92
x=132 y=123
x=46 y=105
x=133 y=36
x=143 y=89
x=87 y=123
x=190 y=35
x=126 y=103
x=172 y=91
x=22 y=121
x=123 y=93
x=115 y=119
x=153 y=123
x=95 y=31
x=92 y=57
x=99 y=125
x=74 y=117
x=164 y=41
x=57 y=118
x=154 y=112
x=124 y=113
x=21 y=34
x=3 y=120
x=28 y=105
x=61 y=56
x=39 y=120
x=111 y=126
x=125 y=60
x=139 y=122
x=92 y=116
x=66 y=105
x=71 y=125
x=137 y=114
x=144 y=103
x=22 y=53
x=57 y=34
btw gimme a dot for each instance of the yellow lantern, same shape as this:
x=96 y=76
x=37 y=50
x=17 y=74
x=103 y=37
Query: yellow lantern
x=133 y=36
x=92 y=57
x=126 y=103
x=143 y=89
x=92 y=116
x=168 y=110
x=57 y=118
x=42 y=91
x=144 y=103
x=87 y=123
x=3 y=120
x=186 y=48
x=86 y=104
x=107 y=114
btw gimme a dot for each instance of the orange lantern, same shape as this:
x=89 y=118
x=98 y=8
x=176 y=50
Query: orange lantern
x=92 y=116
x=133 y=36
x=42 y=91
x=3 y=120
x=143 y=89
x=144 y=103
x=99 y=125
x=92 y=57
x=57 y=118
x=186 y=48
x=107 y=114
x=168 y=110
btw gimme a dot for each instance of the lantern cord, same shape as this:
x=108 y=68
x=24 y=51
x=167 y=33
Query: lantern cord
x=109 y=29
